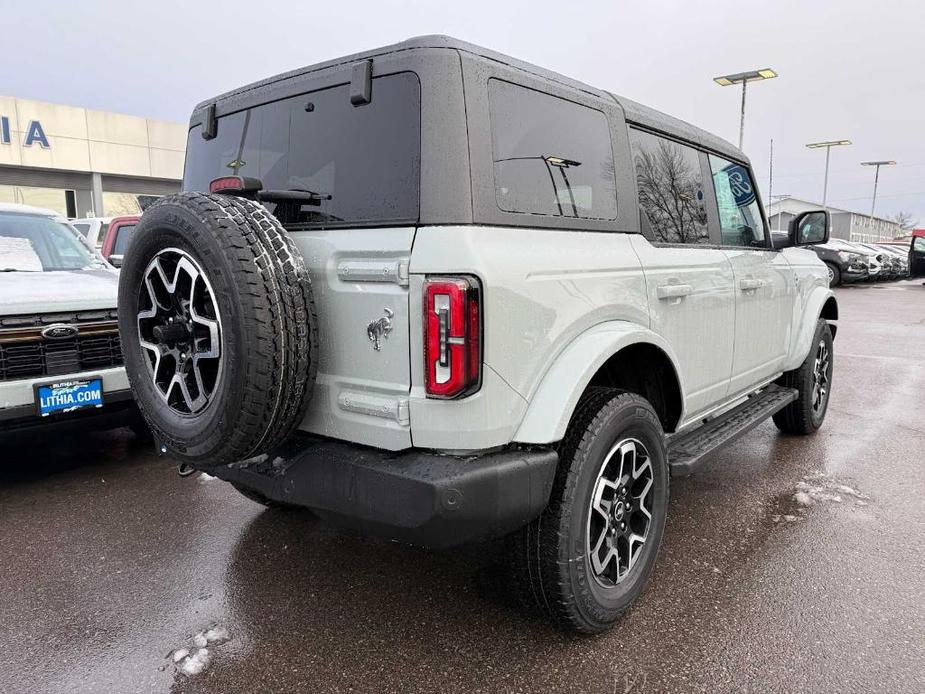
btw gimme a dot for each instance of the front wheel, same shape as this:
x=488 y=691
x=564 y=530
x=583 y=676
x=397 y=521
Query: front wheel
x=813 y=380
x=587 y=557
x=834 y=274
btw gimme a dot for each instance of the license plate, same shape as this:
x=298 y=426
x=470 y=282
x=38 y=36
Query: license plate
x=69 y=396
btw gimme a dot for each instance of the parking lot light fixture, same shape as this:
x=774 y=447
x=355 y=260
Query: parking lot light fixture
x=877 y=164
x=744 y=78
x=828 y=144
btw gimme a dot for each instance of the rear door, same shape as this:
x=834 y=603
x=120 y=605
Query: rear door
x=364 y=162
x=917 y=255
x=689 y=279
x=765 y=287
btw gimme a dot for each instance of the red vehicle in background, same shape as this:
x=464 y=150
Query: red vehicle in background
x=917 y=254
x=117 y=238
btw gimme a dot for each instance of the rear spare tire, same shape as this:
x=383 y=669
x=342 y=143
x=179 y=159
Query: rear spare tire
x=218 y=327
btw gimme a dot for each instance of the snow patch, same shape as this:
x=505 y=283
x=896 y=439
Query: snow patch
x=180 y=654
x=206 y=477
x=195 y=663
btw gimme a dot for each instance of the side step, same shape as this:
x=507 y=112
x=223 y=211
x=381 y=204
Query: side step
x=686 y=451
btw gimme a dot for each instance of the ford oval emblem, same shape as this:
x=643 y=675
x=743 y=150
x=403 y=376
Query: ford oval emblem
x=59 y=331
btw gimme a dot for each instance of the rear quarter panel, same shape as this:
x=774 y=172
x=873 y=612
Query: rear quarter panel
x=541 y=290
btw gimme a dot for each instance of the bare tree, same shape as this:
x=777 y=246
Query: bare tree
x=905 y=220
x=671 y=194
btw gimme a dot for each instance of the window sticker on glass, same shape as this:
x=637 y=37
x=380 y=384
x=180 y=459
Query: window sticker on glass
x=741 y=223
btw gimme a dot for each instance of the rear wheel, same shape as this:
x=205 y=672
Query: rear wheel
x=587 y=557
x=834 y=274
x=217 y=326
x=813 y=380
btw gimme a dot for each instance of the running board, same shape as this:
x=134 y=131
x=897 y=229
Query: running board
x=686 y=451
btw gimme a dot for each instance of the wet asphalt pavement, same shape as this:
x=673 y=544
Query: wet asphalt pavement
x=109 y=561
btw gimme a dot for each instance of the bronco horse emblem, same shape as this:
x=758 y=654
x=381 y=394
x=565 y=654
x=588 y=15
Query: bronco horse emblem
x=379 y=329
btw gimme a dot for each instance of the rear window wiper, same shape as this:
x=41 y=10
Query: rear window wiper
x=248 y=187
x=305 y=197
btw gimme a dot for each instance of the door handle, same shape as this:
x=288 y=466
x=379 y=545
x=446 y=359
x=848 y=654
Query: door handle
x=750 y=285
x=673 y=291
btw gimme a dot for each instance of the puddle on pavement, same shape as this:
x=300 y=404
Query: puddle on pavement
x=815 y=489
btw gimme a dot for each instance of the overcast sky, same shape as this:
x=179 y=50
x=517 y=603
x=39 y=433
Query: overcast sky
x=848 y=69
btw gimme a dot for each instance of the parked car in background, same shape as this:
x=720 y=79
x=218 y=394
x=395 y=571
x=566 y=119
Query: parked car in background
x=92 y=228
x=874 y=265
x=900 y=258
x=117 y=239
x=917 y=253
x=60 y=352
x=844 y=265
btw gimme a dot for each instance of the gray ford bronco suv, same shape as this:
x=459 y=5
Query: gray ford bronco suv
x=439 y=295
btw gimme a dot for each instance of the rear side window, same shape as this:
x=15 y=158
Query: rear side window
x=669 y=181
x=740 y=220
x=551 y=156
x=123 y=236
x=366 y=158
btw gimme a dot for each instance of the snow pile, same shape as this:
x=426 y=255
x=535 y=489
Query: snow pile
x=206 y=477
x=194 y=661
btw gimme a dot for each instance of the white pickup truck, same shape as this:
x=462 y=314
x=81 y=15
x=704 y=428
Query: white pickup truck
x=439 y=294
x=60 y=355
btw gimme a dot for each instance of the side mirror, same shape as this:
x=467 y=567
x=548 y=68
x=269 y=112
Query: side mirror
x=809 y=228
x=115 y=260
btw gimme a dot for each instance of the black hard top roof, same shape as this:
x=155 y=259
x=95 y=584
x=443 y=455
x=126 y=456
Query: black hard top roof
x=635 y=112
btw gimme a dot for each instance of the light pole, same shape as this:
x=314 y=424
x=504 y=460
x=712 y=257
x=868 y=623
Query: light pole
x=828 y=146
x=878 y=164
x=744 y=78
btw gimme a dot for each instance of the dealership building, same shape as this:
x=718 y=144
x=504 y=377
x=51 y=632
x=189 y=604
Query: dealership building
x=85 y=163
x=847 y=225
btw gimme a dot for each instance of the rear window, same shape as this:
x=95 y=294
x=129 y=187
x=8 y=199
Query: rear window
x=366 y=158
x=551 y=156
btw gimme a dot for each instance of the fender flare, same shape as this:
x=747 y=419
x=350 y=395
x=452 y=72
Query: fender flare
x=802 y=341
x=555 y=398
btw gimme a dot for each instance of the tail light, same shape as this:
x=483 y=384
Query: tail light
x=452 y=336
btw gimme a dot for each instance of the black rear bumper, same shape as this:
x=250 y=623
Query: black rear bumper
x=415 y=496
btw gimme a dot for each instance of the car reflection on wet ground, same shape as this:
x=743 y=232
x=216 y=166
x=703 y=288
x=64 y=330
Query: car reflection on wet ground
x=789 y=564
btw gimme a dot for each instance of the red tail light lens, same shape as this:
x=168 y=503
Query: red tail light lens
x=452 y=336
x=226 y=183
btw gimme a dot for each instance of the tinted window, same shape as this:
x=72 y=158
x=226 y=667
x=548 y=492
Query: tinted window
x=123 y=236
x=670 y=186
x=30 y=243
x=740 y=220
x=84 y=229
x=364 y=161
x=551 y=156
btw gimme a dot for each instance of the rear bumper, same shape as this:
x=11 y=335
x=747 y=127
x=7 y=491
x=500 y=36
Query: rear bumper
x=415 y=496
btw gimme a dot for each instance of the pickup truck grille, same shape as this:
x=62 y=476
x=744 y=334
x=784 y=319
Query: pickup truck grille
x=25 y=353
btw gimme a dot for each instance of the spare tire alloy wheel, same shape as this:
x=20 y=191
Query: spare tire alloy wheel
x=180 y=327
